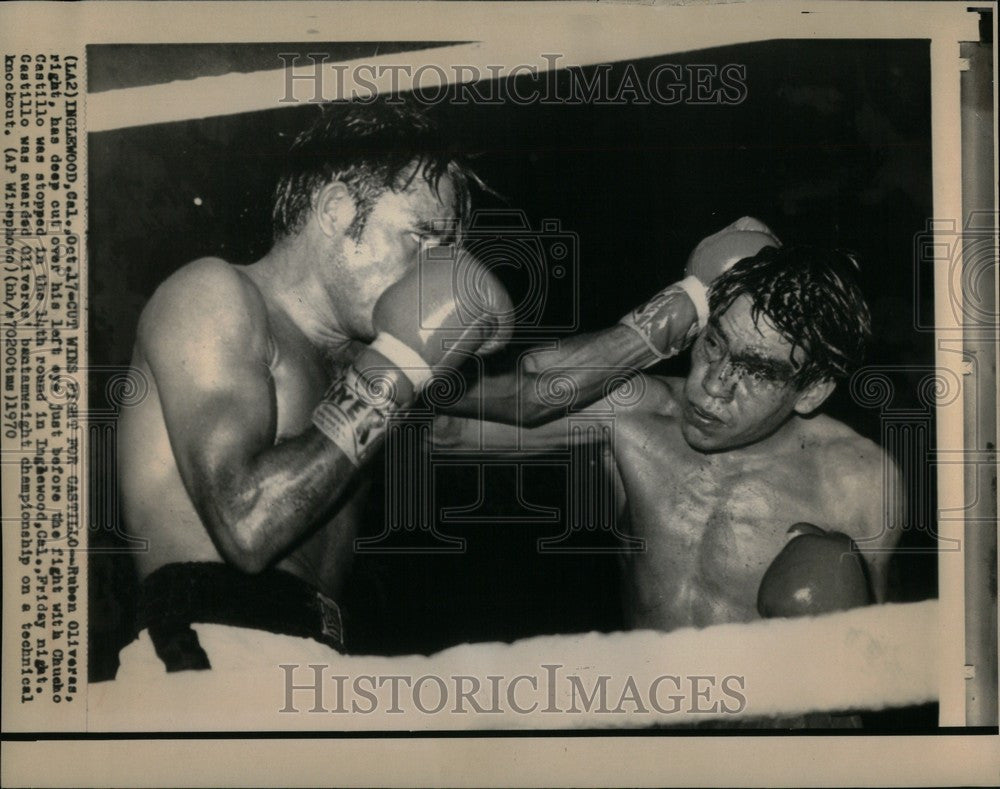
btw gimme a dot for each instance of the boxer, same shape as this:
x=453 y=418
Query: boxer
x=712 y=470
x=271 y=385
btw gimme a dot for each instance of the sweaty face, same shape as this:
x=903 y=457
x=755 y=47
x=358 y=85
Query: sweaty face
x=739 y=389
x=390 y=242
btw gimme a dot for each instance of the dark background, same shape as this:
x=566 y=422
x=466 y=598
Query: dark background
x=831 y=146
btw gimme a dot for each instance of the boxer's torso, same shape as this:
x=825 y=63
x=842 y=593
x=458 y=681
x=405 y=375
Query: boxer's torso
x=156 y=505
x=712 y=523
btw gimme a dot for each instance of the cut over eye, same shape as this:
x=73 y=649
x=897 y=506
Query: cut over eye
x=761 y=373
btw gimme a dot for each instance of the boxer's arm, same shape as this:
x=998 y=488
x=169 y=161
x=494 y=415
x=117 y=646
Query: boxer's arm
x=588 y=365
x=499 y=438
x=204 y=336
x=879 y=521
x=650 y=394
x=513 y=441
x=584 y=364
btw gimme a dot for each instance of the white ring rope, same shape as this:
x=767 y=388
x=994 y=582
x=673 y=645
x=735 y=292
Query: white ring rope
x=866 y=659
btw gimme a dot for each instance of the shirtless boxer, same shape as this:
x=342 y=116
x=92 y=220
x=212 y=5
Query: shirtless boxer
x=272 y=383
x=714 y=469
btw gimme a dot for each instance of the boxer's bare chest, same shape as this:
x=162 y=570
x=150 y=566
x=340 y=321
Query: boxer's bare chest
x=300 y=376
x=158 y=506
x=711 y=523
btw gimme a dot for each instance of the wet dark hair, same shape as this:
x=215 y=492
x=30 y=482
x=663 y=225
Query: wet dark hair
x=811 y=296
x=370 y=146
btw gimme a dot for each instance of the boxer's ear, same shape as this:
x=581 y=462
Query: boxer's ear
x=814 y=395
x=334 y=208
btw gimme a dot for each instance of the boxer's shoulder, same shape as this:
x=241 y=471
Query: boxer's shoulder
x=646 y=413
x=852 y=466
x=840 y=446
x=210 y=279
x=204 y=300
x=645 y=397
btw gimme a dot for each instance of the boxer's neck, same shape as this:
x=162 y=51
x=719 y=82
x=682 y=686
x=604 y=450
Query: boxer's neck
x=287 y=276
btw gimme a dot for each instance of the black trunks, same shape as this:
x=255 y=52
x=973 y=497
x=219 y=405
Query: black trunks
x=178 y=595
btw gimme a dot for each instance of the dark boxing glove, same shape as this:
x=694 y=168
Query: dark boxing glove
x=817 y=572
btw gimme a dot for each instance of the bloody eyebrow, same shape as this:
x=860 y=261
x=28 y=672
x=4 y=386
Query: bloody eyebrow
x=774 y=368
x=753 y=359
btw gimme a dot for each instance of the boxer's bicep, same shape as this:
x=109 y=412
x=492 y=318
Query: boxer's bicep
x=217 y=429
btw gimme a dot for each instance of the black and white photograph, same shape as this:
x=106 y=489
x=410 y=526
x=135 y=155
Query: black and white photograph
x=546 y=387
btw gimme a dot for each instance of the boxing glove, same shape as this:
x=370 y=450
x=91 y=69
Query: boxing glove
x=449 y=306
x=720 y=251
x=427 y=322
x=671 y=320
x=817 y=572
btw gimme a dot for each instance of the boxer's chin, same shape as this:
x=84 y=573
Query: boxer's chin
x=701 y=440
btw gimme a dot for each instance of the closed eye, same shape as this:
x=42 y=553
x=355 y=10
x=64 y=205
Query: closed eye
x=429 y=238
x=713 y=344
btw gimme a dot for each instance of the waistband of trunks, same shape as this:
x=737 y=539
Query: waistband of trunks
x=175 y=596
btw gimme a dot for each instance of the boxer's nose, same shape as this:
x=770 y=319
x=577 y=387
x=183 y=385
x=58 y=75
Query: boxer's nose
x=719 y=381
